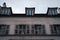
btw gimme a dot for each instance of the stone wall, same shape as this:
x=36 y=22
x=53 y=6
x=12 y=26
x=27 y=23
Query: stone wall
x=13 y=21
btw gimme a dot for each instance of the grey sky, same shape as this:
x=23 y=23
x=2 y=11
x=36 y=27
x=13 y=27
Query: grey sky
x=18 y=6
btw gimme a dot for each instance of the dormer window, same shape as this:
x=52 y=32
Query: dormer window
x=30 y=11
x=52 y=11
x=5 y=10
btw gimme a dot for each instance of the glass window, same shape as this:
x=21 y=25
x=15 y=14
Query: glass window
x=52 y=11
x=22 y=29
x=6 y=11
x=29 y=12
x=38 y=29
x=4 y=29
x=55 y=29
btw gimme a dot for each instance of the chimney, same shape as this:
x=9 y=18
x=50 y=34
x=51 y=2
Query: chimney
x=4 y=4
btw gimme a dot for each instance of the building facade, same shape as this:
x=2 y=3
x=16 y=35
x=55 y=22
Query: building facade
x=29 y=26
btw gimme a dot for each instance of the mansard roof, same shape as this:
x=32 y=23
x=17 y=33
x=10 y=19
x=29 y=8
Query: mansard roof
x=51 y=8
x=35 y=15
x=24 y=14
x=7 y=8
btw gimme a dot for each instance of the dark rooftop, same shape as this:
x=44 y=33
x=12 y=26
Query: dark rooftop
x=24 y=15
x=11 y=14
x=35 y=15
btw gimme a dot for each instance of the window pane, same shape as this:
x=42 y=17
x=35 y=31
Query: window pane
x=26 y=29
x=55 y=29
x=22 y=29
x=38 y=29
x=4 y=29
x=30 y=11
x=52 y=11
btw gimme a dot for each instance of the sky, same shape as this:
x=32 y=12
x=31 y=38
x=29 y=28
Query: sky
x=41 y=6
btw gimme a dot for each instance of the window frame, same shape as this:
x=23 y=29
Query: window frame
x=54 y=29
x=39 y=29
x=4 y=29
x=22 y=30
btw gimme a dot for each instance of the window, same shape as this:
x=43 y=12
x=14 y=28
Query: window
x=6 y=11
x=30 y=11
x=38 y=29
x=55 y=29
x=4 y=29
x=53 y=11
x=25 y=29
x=22 y=29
